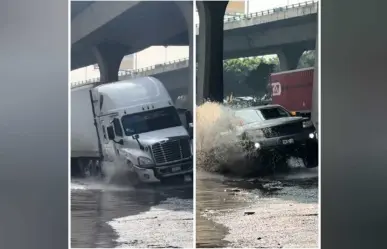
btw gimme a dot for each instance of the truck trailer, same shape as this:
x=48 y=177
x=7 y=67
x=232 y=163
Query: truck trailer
x=293 y=90
x=297 y=91
x=132 y=121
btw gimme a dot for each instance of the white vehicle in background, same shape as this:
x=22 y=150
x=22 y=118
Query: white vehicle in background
x=132 y=121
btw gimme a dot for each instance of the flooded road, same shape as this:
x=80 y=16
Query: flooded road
x=272 y=212
x=106 y=216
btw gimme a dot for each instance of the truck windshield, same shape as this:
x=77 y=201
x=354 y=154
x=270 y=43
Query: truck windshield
x=274 y=112
x=248 y=116
x=150 y=121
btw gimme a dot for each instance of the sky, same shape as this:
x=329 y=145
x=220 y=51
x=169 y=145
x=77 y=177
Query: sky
x=260 y=5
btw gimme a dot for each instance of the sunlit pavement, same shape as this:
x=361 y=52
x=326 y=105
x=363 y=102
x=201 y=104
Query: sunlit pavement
x=274 y=212
x=106 y=215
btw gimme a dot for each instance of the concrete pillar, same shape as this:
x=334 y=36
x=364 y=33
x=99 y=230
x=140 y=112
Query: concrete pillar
x=316 y=88
x=187 y=11
x=109 y=57
x=210 y=51
x=289 y=56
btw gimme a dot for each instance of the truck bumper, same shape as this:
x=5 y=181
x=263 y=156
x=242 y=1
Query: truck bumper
x=159 y=173
x=286 y=144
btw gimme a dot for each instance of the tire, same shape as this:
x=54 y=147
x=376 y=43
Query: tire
x=310 y=158
x=270 y=162
x=77 y=168
x=132 y=176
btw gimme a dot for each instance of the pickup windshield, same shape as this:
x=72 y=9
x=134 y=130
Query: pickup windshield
x=274 y=112
x=248 y=116
x=153 y=120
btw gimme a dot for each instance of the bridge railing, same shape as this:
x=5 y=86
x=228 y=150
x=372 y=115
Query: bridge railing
x=267 y=12
x=180 y=63
x=141 y=72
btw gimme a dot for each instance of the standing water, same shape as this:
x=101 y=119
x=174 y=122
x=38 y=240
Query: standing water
x=109 y=212
x=239 y=212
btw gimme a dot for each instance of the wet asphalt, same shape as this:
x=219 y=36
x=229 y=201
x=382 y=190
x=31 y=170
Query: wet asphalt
x=272 y=212
x=284 y=207
x=96 y=205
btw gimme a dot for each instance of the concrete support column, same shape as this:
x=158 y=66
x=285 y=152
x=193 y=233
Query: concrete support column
x=316 y=88
x=109 y=57
x=210 y=51
x=289 y=56
x=187 y=11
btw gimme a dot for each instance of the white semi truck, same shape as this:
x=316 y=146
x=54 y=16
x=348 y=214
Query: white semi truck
x=132 y=121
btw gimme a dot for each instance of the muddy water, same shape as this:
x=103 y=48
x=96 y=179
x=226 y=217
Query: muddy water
x=212 y=195
x=94 y=205
x=212 y=199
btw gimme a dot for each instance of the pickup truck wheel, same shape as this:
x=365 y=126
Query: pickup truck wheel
x=280 y=162
x=310 y=163
x=310 y=158
x=270 y=162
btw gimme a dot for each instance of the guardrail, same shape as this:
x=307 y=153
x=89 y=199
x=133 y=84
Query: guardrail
x=268 y=12
x=141 y=72
x=181 y=63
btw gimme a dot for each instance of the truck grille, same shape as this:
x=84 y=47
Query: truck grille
x=172 y=150
x=283 y=130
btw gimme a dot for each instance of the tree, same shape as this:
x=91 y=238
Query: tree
x=307 y=59
x=249 y=76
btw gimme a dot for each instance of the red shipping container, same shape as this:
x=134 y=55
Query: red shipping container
x=293 y=89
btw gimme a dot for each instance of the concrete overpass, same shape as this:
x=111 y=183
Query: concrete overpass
x=210 y=48
x=173 y=74
x=286 y=31
x=130 y=26
x=104 y=32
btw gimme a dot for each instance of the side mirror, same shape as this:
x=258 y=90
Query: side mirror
x=110 y=132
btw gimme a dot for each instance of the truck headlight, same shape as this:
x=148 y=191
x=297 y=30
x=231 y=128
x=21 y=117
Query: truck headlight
x=144 y=161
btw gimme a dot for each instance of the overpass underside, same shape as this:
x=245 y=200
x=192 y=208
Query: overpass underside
x=104 y=32
x=288 y=38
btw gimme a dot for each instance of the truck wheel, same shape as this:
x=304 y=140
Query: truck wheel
x=280 y=162
x=132 y=175
x=95 y=168
x=74 y=167
x=310 y=162
x=310 y=158
x=78 y=168
x=270 y=162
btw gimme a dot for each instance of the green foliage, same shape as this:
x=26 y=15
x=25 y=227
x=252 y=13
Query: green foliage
x=306 y=60
x=249 y=76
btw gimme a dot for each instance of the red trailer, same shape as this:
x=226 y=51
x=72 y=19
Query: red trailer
x=293 y=90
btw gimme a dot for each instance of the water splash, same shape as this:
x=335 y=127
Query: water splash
x=218 y=147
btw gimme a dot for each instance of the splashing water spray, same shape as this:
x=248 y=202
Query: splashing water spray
x=218 y=147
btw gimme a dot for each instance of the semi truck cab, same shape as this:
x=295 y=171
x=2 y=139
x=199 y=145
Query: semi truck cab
x=139 y=126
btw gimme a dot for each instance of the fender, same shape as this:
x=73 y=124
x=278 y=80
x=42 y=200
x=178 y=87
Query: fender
x=131 y=155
